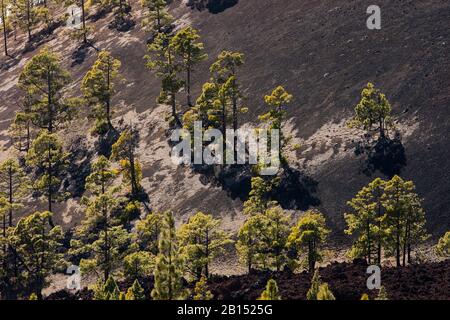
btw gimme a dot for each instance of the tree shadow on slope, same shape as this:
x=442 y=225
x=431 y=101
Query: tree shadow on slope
x=43 y=36
x=295 y=191
x=79 y=166
x=385 y=155
x=104 y=143
x=213 y=6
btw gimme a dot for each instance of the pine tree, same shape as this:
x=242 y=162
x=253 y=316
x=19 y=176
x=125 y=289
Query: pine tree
x=278 y=101
x=124 y=151
x=373 y=112
x=325 y=293
x=225 y=76
x=43 y=80
x=46 y=155
x=169 y=265
x=443 y=246
x=260 y=195
x=39 y=248
x=263 y=238
x=382 y=295
x=366 y=220
x=98 y=88
x=201 y=240
x=148 y=231
x=107 y=251
x=20 y=130
x=27 y=15
x=308 y=235
x=138 y=265
x=201 y=291
x=156 y=14
x=276 y=237
x=33 y=296
x=107 y=290
x=271 y=292
x=101 y=177
x=365 y=296
x=14 y=187
x=315 y=286
x=206 y=110
x=405 y=218
x=162 y=60
x=191 y=52
x=100 y=236
x=250 y=244
x=135 y=292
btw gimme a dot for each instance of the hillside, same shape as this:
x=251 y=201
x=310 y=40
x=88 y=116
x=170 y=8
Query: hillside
x=323 y=54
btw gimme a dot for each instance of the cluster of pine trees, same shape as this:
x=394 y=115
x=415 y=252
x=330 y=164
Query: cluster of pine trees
x=111 y=242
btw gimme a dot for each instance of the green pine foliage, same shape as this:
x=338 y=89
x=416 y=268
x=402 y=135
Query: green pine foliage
x=100 y=239
x=169 y=265
x=405 y=219
x=138 y=265
x=148 y=231
x=308 y=235
x=443 y=246
x=98 y=87
x=271 y=292
x=365 y=296
x=325 y=293
x=386 y=215
x=39 y=248
x=382 y=294
x=278 y=101
x=107 y=290
x=124 y=151
x=43 y=81
x=190 y=51
x=262 y=240
x=367 y=220
x=373 y=112
x=315 y=286
x=319 y=290
x=201 y=241
x=135 y=292
x=14 y=187
x=201 y=291
x=50 y=162
x=162 y=60
x=156 y=15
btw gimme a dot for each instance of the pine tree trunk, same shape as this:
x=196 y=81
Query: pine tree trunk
x=108 y=98
x=50 y=191
x=29 y=19
x=134 y=186
x=49 y=101
x=5 y=40
x=83 y=19
x=369 y=248
x=188 y=80
x=106 y=271
x=235 y=120
x=10 y=191
x=397 y=244
x=207 y=254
